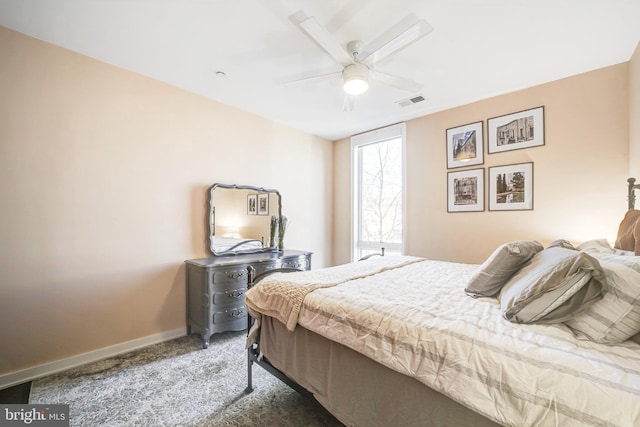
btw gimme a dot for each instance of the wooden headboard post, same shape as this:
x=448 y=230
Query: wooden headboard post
x=632 y=196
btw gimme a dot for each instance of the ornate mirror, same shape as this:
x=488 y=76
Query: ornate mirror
x=240 y=219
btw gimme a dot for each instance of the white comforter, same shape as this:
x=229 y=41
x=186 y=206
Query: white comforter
x=417 y=320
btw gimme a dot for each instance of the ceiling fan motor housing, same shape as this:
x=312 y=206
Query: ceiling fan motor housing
x=356 y=78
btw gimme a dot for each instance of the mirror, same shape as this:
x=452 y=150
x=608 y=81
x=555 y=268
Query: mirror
x=240 y=219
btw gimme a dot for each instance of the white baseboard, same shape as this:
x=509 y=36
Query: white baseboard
x=29 y=374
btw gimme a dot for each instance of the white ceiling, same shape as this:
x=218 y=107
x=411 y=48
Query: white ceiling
x=478 y=49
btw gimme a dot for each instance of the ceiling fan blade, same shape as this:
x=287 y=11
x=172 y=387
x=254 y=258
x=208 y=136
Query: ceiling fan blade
x=401 y=35
x=322 y=37
x=395 y=81
x=312 y=79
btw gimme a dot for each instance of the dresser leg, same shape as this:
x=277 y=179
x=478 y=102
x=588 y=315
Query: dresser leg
x=206 y=335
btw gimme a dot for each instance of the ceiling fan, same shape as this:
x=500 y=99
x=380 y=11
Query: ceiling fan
x=356 y=72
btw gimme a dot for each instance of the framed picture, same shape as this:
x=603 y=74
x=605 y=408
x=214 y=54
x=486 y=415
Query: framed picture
x=263 y=204
x=511 y=187
x=252 y=204
x=465 y=191
x=514 y=131
x=465 y=146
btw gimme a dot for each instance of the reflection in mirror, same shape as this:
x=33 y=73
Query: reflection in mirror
x=240 y=218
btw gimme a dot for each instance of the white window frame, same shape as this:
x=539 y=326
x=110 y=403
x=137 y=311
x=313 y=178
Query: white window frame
x=378 y=135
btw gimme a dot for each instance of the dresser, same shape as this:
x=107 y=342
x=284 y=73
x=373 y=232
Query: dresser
x=216 y=288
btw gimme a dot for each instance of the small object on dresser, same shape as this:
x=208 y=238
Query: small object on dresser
x=273 y=230
x=282 y=227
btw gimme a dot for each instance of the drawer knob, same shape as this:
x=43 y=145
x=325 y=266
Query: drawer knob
x=236 y=294
x=293 y=264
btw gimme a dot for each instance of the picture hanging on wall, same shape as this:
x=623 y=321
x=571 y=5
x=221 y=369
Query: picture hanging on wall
x=514 y=131
x=263 y=204
x=465 y=191
x=465 y=146
x=252 y=204
x=511 y=187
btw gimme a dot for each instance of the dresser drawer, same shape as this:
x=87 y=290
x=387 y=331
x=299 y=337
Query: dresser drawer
x=233 y=314
x=301 y=263
x=262 y=267
x=229 y=296
x=229 y=276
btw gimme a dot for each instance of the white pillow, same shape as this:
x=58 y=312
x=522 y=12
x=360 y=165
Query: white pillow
x=616 y=317
x=602 y=247
x=553 y=287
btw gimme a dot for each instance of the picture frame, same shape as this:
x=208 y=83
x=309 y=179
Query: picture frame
x=263 y=204
x=511 y=187
x=252 y=204
x=465 y=145
x=524 y=129
x=465 y=191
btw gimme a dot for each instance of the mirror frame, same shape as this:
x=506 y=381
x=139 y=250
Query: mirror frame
x=211 y=220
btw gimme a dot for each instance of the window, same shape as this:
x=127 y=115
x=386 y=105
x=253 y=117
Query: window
x=378 y=191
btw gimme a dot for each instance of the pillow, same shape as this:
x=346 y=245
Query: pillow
x=616 y=317
x=553 y=287
x=601 y=247
x=629 y=232
x=500 y=266
x=561 y=243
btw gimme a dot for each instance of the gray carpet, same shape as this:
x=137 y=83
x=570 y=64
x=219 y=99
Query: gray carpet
x=176 y=383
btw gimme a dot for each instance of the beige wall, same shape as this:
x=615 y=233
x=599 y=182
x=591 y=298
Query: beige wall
x=103 y=177
x=579 y=175
x=634 y=114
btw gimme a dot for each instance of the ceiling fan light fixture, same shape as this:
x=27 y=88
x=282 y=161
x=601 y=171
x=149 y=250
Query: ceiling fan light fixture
x=356 y=79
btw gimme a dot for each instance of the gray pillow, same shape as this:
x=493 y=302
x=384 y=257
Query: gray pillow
x=503 y=263
x=616 y=317
x=556 y=285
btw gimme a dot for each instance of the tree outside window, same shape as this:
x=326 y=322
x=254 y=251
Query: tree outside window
x=378 y=193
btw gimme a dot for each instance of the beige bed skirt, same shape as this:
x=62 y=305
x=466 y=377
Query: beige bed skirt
x=354 y=388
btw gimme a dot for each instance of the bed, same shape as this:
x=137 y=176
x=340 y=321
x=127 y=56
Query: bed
x=533 y=336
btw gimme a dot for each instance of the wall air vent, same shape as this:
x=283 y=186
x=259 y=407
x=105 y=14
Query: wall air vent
x=410 y=101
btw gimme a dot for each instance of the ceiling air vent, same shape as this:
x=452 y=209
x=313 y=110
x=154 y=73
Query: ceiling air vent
x=410 y=101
